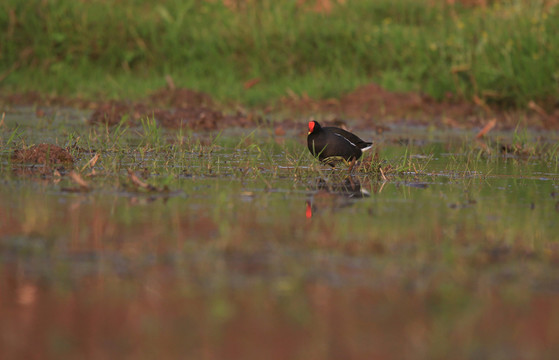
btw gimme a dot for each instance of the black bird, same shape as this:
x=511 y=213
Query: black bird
x=332 y=144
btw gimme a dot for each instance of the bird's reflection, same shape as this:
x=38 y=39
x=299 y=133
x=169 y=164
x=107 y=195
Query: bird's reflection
x=334 y=195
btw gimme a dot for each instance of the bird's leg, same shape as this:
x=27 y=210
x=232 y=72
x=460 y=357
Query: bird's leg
x=351 y=165
x=351 y=183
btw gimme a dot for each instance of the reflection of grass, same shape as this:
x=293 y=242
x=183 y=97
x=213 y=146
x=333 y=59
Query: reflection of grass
x=504 y=53
x=229 y=250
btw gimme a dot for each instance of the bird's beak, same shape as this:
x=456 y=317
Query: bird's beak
x=309 y=133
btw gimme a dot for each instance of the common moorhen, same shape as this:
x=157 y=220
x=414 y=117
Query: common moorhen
x=332 y=144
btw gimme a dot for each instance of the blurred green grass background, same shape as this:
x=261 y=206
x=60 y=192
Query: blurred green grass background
x=505 y=52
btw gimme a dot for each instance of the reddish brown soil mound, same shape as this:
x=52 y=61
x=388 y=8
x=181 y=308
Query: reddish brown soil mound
x=42 y=154
x=374 y=101
x=173 y=108
x=180 y=98
x=204 y=119
x=195 y=117
x=367 y=106
x=372 y=105
x=36 y=98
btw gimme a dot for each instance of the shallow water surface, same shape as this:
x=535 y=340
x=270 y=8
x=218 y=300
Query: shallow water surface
x=246 y=248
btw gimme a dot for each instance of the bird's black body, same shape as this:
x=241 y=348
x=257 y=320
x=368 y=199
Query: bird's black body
x=331 y=144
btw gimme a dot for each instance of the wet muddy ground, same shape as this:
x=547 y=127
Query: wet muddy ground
x=368 y=106
x=234 y=243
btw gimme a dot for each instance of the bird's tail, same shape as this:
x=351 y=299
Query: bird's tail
x=368 y=147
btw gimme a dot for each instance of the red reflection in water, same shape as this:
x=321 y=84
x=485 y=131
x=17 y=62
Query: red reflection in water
x=309 y=210
x=160 y=315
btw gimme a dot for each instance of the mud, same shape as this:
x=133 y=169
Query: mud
x=173 y=108
x=44 y=154
x=367 y=106
x=196 y=117
x=181 y=98
x=373 y=105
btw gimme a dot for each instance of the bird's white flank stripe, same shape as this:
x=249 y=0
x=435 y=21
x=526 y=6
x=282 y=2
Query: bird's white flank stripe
x=367 y=148
x=343 y=137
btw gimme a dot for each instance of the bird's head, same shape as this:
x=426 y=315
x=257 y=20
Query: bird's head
x=313 y=126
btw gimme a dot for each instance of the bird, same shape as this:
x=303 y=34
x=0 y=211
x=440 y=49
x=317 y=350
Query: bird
x=332 y=145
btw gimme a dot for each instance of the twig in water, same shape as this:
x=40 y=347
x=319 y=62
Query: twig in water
x=91 y=163
x=382 y=173
x=490 y=125
x=139 y=183
x=75 y=177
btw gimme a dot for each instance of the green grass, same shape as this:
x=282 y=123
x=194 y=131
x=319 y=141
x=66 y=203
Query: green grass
x=506 y=54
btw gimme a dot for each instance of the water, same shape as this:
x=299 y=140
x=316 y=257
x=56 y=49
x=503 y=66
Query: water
x=249 y=249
